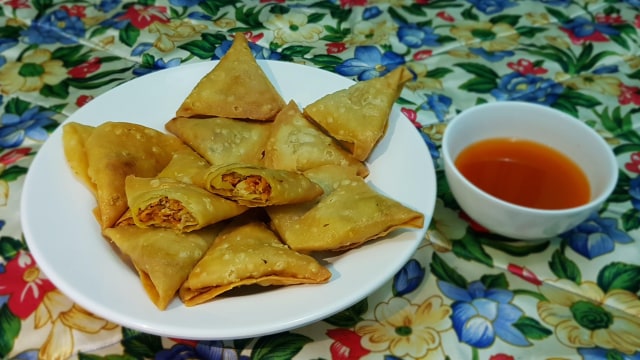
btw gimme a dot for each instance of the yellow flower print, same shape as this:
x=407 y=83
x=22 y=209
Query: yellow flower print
x=225 y=23
x=172 y=32
x=65 y=317
x=633 y=62
x=537 y=18
x=462 y=54
x=491 y=37
x=603 y=84
x=31 y=73
x=584 y=316
x=293 y=27
x=406 y=329
x=371 y=33
x=558 y=42
x=422 y=82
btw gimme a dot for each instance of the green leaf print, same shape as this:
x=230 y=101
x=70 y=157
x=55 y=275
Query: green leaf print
x=618 y=124
x=630 y=219
x=564 y=268
x=505 y=19
x=618 y=275
x=531 y=328
x=479 y=70
x=9 y=247
x=497 y=281
x=281 y=346
x=129 y=35
x=469 y=248
x=58 y=91
x=513 y=248
x=444 y=272
x=9 y=329
x=140 y=345
x=12 y=173
x=349 y=317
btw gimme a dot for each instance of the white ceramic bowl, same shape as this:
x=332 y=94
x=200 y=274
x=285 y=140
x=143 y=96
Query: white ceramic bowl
x=537 y=123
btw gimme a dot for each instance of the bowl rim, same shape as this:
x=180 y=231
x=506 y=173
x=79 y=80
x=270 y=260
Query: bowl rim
x=449 y=164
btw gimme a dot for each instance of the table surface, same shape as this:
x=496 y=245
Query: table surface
x=465 y=293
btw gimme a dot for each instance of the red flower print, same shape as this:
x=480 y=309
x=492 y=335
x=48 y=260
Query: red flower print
x=412 y=115
x=637 y=22
x=501 y=357
x=350 y=3
x=81 y=71
x=524 y=273
x=336 y=47
x=629 y=95
x=13 y=156
x=596 y=36
x=609 y=19
x=634 y=163
x=75 y=10
x=526 y=67
x=422 y=54
x=142 y=16
x=346 y=345
x=83 y=100
x=25 y=284
x=253 y=38
x=445 y=16
x=472 y=223
x=17 y=4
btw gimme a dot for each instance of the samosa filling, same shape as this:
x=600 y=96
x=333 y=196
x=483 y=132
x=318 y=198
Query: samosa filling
x=248 y=186
x=166 y=213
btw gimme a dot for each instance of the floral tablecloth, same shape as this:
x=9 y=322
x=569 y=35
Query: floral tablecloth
x=466 y=293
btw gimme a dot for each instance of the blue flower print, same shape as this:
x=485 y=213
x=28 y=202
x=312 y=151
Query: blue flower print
x=159 y=64
x=606 y=69
x=634 y=192
x=203 y=350
x=369 y=62
x=408 y=278
x=583 y=27
x=635 y=3
x=491 y=7
x=561 y=3
x=117 y=21
x=439 y=104
x=6 y=44
x=415 y=36
x=55 y=27
x=186 y=3
x=31 y=124
x=259 y=52
x=106 y=6
x=479 y=315
x=527 y=87
x=596 y=236
x=492 y=56
x=433 y=148
x=371 y=12
x=606 y=354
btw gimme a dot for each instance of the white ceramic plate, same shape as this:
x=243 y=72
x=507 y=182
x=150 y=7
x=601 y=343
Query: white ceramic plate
x=65 y=239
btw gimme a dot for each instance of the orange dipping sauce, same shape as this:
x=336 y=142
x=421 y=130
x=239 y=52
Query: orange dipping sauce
x=525 y=173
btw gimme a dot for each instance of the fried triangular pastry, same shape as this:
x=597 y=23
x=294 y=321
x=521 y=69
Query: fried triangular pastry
x=115 y=150
x=349 y=214
x=296 y=144
x=247 y=252
x=74 y=137
x=163 y=258
x=236 y=87
x=358 y=116
x=222 y=140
